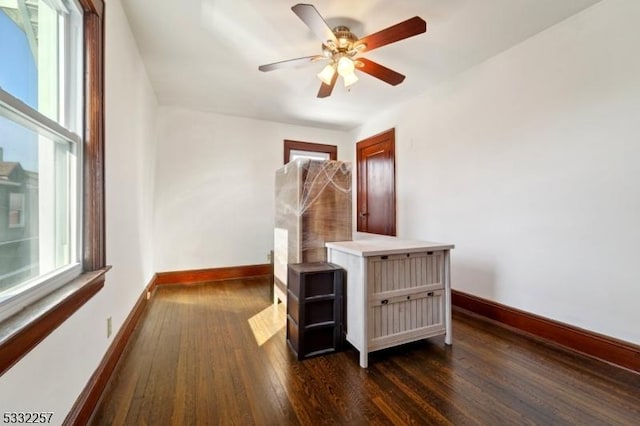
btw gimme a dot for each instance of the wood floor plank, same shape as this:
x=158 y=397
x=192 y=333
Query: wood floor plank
x=457 y=397
x=575 y=384
x=528 y=381
x=206 y=354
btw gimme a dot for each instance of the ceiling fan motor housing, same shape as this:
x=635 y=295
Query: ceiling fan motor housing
x=345 y=45
x=345 y=37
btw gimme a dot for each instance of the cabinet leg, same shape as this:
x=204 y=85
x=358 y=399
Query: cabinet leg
x=364 y=359
x=447 y=301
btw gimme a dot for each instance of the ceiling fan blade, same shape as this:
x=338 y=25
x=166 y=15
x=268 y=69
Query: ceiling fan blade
x=380 y=72
x=291 y=63
x=405 y=29
x=326 y=89
x=310 y=16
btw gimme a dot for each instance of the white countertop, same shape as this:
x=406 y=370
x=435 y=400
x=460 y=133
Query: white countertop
x=376 y=245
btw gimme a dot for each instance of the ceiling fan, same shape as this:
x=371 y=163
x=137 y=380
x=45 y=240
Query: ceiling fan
x=341 y=47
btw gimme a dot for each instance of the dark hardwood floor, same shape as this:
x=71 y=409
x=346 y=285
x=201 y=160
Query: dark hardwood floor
x=202 y=355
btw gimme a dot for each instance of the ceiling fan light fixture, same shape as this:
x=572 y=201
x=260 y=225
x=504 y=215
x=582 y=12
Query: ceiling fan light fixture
x=345 y=66
x=349 y=79
x=326 y=75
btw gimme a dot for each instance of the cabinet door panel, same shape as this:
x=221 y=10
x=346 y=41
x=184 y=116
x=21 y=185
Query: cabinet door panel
x=393 y=319
x=402 y=271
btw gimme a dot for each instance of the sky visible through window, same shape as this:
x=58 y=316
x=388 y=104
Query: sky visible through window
x=18 y=76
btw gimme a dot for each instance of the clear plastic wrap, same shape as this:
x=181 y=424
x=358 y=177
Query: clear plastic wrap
x=313 y=206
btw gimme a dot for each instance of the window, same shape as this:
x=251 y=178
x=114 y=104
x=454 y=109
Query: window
x=294 y=154
x=41 y=123
x=51 y=143
x=312 y=151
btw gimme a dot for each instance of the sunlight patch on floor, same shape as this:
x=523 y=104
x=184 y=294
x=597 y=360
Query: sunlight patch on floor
x=266 y=323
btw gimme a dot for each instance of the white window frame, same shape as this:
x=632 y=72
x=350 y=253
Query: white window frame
x=70 y=91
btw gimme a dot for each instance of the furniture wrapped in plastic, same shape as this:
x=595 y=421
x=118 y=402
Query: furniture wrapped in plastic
x=313 y=206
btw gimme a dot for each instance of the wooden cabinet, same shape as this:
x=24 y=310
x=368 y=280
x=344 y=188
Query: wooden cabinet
x=397 y=291
x=314 y=308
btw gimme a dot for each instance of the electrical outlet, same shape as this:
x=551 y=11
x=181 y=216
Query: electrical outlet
x=108 y=327
x=269 y=257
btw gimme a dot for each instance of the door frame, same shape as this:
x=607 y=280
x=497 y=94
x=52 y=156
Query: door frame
x=389 y=135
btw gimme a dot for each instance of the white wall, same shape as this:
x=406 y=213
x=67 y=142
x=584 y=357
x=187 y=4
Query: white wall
x=50 y=377
x=215 y=177
x=529 y=163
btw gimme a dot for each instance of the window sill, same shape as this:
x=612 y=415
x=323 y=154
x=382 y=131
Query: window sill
x=23 y=331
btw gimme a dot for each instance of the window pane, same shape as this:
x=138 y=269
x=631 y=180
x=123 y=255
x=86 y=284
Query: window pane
x=39 y=42
x=294 y=154
x=18 y=75
x=37 y=205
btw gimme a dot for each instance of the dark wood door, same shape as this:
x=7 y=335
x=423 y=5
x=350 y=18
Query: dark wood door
x=376 y=184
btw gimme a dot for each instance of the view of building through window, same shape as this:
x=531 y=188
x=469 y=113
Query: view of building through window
x=40 y=120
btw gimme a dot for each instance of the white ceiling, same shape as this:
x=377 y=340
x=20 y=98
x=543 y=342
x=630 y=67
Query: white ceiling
x=204 y=54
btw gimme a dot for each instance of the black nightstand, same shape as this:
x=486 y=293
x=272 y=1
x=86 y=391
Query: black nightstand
x=314 y=308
